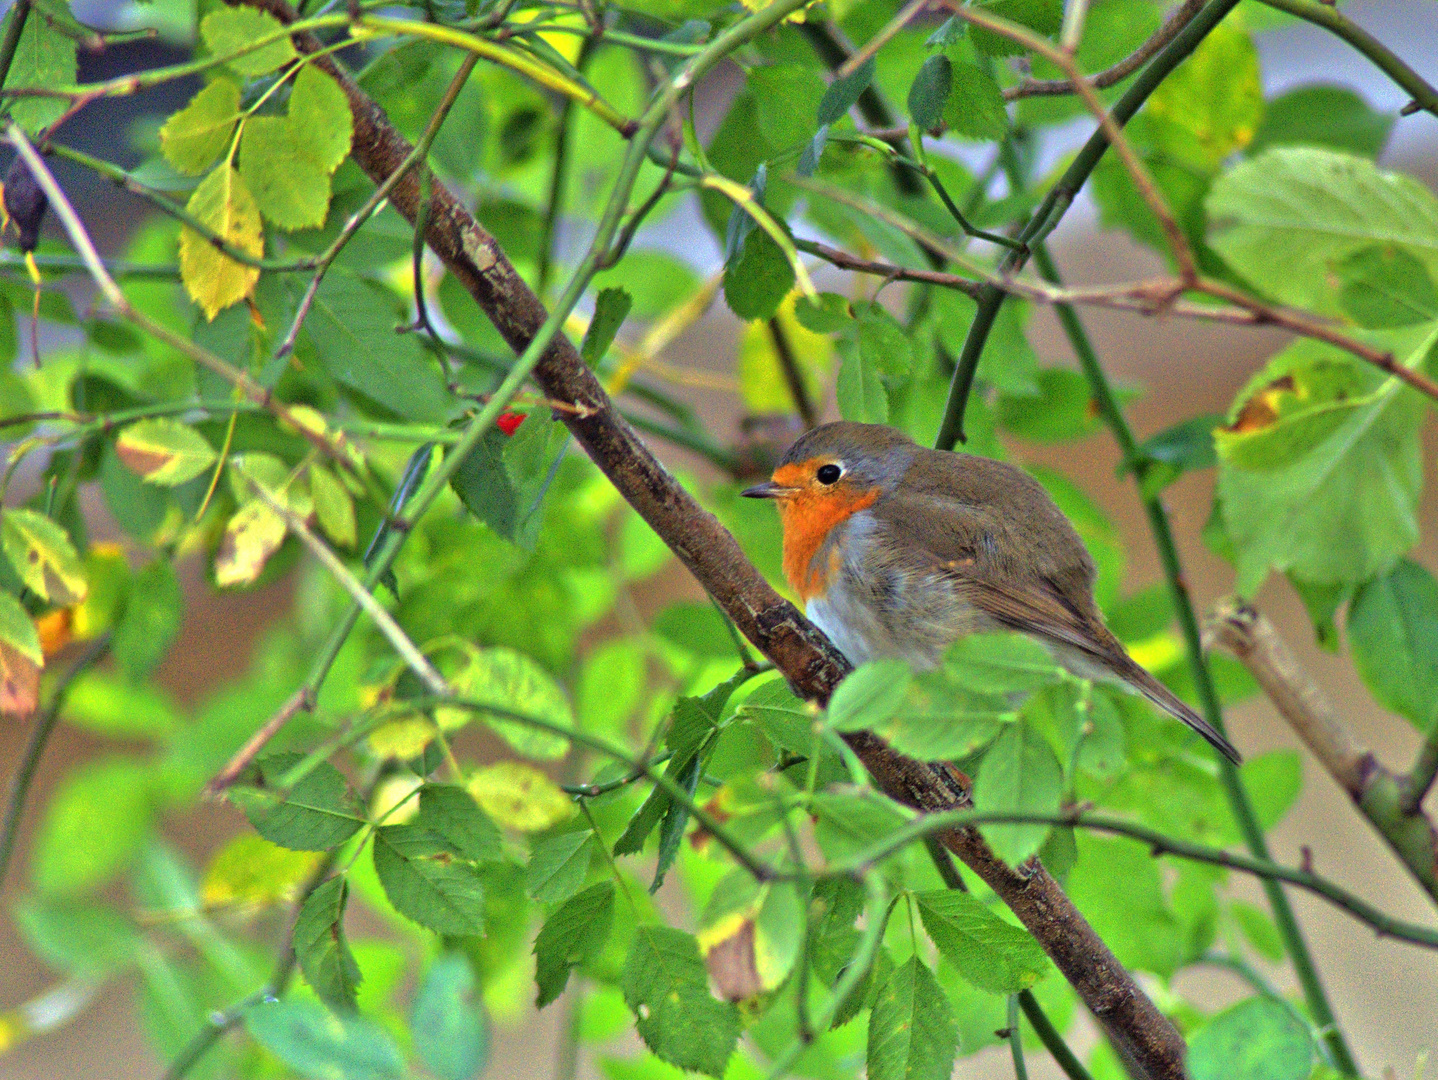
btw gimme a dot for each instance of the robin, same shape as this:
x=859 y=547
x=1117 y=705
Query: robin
x=898 y=550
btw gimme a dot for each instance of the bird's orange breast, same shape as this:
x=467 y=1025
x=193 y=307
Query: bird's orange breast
x=808 y=518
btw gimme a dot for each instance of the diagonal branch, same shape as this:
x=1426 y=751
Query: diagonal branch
x=1379 y=795
x=810 y=662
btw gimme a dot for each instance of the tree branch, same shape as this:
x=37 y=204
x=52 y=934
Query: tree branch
x=1378 y=794
x=807 y=659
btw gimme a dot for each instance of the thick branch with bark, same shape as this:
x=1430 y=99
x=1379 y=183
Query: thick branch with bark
x=1140 y=1033
x=1379 y=795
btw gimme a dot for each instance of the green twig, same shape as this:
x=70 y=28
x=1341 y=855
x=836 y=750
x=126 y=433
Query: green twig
x=30 y=760
x=1016 y=1040
x=1161 y=844
x=19 y=12
x=1056 y=204
x=1420 y=777
x=558 y=176
x=1425 y=97
x=1135 y=461
x=1050 y=1037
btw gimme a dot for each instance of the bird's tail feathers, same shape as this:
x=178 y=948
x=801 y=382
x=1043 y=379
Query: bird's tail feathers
x=1166 y=700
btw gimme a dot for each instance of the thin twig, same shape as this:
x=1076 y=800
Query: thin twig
x=383 y=620
x=906 y=15
x=30 y=760
x=793 y=377
x=300 y=701
x=1016 y=1039
x=378 y=196
x=75 y=228
x=1425 y=96
x=1420 y=778
x=1175 y=21
x=1379 y=795
x=1050 y=1037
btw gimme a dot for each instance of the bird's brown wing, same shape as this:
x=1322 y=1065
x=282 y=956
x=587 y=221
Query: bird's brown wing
x=1049 y=596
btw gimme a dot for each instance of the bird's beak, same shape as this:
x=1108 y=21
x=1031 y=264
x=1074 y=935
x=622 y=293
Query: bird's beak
x=767 y=490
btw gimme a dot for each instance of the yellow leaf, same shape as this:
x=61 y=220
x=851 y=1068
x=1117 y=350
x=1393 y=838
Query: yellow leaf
x=251 y=537
x=520 y=796
x=41 y=553
x=213 y=279
x=760 y=374
x=402 y=739
x=251 y=870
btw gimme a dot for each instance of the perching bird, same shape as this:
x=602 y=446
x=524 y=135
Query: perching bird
x=898 y=550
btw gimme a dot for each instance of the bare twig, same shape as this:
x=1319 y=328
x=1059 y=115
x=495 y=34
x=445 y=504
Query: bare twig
x=1379 y=795
x=1175 y=21
x=302 y=700
x=906 y=15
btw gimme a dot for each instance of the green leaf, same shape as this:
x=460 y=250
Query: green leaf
x=106 y=705
x=1020 y=773
x=353 y=325
x=230 y=29
x=164 y=451
x=318 y=813
x=827 y=314
x=17 y=630
x=1386 y=287
x=574 y=935
x=860 y=388
x=224 y=204
x=425 y=882
x=1257 y=1039
x=1273 y=781
x=843 y=93
x=508 y=680
x=320 y=946
x=929 y=92
x=44 y=559
x=667 y=987
x=762 y=375
x=558 y=865
x=758 y=278
x=1320 y=466
x=151 y=620
x=655 y=280
x=450 y=812
x=883 y=343
x=869 y=695
x=1001 y=663
x=1212 y=103
x=1330 y=116
x=1116 y=884
x=850 y=822
x=504 y=479
x=912 y=1034
x=451 y=1031
x=785 y=93
x=520 y=796
x=334 y=506
x=250 y=870
x=1062 y=409
x=611 y=307
x=1042 y=16
x=85 y=938
x=1393 y=633
x=994 y=955
x=290 y=189
x=94 y=825
x=1258 y=929
x=44 y=59
x=320 y=110
x=200 y=132
x=975 y=109
x=318 y=1044
x=941 y=719
x=1286 y=217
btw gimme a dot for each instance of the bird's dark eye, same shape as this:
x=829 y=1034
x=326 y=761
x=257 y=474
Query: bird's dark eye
x=829 y=474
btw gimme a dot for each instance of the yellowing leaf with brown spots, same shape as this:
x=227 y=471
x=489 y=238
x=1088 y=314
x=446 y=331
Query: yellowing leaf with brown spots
x=164 y=451
x=213 y=279
x=41 y=553
x=520 y=796
x=251 y=537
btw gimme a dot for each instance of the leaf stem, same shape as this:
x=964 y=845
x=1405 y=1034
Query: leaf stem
x=1050 y=1037
x=1420 y=778
x=44 y=727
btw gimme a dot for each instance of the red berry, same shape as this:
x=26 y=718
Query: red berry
x=509 y=422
